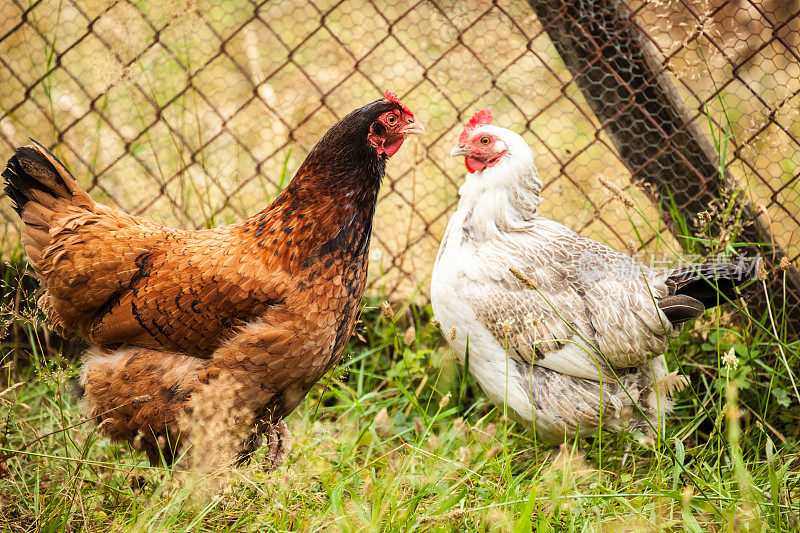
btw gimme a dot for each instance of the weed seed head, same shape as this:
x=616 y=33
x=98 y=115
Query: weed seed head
x=383 y=424
x=445 y=400
x=615 y=191
x=410 y=335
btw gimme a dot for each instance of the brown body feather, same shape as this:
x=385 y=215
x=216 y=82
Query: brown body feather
x=269 y=302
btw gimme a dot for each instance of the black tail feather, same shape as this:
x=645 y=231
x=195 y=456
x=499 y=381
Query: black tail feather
x=712 y=284
x=680 y=308
x=18 y=182
x=29 y=169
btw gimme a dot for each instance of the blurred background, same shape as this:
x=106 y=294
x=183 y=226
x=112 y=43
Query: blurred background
x=195 y=114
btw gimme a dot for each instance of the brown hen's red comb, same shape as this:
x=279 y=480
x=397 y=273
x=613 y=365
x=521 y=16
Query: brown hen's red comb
x=392 y=98
x=480 y=118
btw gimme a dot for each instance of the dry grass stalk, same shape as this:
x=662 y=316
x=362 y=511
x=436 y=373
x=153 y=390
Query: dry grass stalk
x=526 y=280
x=615 y=191
x=452 y=516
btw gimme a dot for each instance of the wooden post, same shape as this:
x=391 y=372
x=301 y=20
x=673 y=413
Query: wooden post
x=618 y=70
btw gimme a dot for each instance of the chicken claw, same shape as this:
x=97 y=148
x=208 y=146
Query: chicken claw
x=279 y=440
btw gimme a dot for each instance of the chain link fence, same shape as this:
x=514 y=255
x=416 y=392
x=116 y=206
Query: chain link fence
x=196 y=113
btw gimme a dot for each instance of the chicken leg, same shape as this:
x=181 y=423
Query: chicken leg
x=279 y=440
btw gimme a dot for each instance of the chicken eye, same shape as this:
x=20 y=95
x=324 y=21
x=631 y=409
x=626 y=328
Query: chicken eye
x=485 y=140
x=391 y=119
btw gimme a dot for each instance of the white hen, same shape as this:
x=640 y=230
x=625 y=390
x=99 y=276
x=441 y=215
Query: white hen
x=567 y=331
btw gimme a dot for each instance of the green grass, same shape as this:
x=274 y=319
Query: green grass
x=398 y=438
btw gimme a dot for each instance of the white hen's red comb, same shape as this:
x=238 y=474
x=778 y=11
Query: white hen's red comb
x=391 y=97
x=480 y=118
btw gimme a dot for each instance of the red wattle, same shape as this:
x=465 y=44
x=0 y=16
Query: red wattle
x=391 y=148
x=474 y=165
x=384 y=146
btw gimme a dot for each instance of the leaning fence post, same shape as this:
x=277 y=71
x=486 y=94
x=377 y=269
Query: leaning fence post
x=633 y=96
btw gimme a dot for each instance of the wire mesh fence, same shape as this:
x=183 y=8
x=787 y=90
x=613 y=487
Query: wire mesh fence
x=196 y=113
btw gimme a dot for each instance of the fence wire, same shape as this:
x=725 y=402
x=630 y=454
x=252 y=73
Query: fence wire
x=195 y=113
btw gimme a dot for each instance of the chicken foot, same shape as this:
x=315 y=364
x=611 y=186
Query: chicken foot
x=279 y=446
x=279 y=440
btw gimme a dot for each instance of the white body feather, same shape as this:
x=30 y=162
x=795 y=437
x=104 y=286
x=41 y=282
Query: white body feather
x=580 y=350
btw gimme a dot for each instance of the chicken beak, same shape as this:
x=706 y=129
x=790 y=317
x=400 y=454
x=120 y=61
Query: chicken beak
x=414 y=127
x=458 y=150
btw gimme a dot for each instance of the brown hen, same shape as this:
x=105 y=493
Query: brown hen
x=254 y=312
